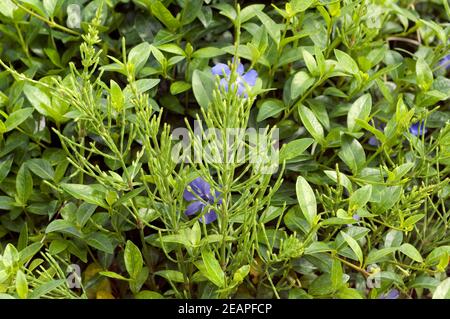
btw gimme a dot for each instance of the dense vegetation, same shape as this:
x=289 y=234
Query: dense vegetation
x=119 y=179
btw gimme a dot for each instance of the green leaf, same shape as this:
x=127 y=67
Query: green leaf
x=352 y=154
x=301 y=82
x=203 y=86
x=41 y=168
x=133 y=259
x=61 y=225
x=5 y=167
x=50 y=6
x=147 y=294
x=101 y=242
x=24 y=184
x=94 y=193
x=301 y=5
x=164 y=15
x=360 y=197
x=139 y=55
x=40 y=100
x=379 y=255
x=21 y=285
x=207 y=53
x=117 y=97
x=336 y=274
x=310 y=63
x=354 y=246
x=269 y=108
x=424 y=74
x=179 y=87
x=295 y=148
x=306 y=200
x=211 y=269
x=111 y=274
x=311 y=124
x=346 y=62
x=7 y=8
x=44 y=289
x=360 y=109
x=410 y=251
x=443 y=290
x=171 y=275
x=17 y=118
x=343 y=179
x=273 y=29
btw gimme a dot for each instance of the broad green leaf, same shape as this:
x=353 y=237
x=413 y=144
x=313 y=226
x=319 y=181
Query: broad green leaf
x=5 y=167
x=203 y=86
x=24 y=184
x=301 y=82
x=179 y=87
x=343 y=179
x=111 y=274
x=310 y=63
x=133 y=259
x=171 y=275
x=443 y=290
x=17 y=118
x=354 y=246
x=41 y=168
x=117 y=97
x=295 y=148
x=50 y=6
x=306 y=200
x=311 y=124
x=101 y=242
x=346 y=62
x=207 y=53
x=352 y=154
x=269 y=108
x=94 y=193
x=139 y=55
x=147 y=294
x=376 y=256
x=37 y=98
x=21 y=285
x=7 y=8
x=410 y=251
x=336 y=274
x=273 y=29
x=360 y=197
x=211 y=269
x=163 y=14
x=424 y=74
x=360 y=109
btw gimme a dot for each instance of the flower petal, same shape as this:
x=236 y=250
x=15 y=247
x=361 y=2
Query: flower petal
x=189 y=196
x=250 y=77
x=221 y=69
x=224 y=84
x=209 y=217
x=240 y=69
x=194 y=208
x=201 y=187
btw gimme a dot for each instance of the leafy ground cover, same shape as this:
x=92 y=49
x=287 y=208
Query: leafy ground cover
x=224 y=149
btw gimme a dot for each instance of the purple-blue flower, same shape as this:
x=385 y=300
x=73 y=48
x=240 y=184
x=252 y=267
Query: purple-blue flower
x=418 y=128
x=200 y=196
x=445 y=62
x=242 y=79
x=392 y=294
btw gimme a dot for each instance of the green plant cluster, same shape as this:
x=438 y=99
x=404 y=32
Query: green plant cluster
x=94 y=205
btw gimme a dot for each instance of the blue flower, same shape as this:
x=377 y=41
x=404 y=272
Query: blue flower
x=445 y=62
x=418 y=128
x=200 y=195
x=356 y=217
x=242 y=79
x=392 y=294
